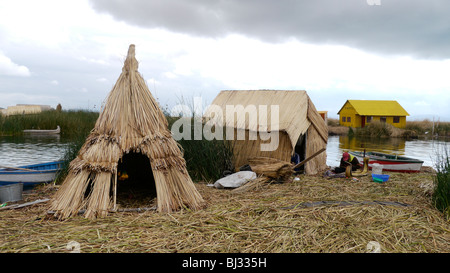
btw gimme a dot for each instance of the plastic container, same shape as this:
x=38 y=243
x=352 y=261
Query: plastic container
x=377 y=168
x=11 y=193
x=380 y=178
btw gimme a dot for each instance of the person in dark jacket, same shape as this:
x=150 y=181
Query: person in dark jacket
x=347 y=160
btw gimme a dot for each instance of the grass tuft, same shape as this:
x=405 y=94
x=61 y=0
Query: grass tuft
x=441 y=194
x=206 y=160
x=375 y=129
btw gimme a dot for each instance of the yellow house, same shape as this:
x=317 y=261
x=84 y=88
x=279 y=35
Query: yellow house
x=359 y=113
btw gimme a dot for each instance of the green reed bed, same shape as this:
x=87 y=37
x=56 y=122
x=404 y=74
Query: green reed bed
x=205 y=159
x=71 y=122
x=375 y=129
x=427 y=127
x=412 y=129
x=70 y=153
x=441 y=194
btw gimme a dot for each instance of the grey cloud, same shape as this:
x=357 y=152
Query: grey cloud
x=404 y=27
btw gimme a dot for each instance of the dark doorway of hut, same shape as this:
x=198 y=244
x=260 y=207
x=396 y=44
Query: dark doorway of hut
x=300 y=150
x=135 y=182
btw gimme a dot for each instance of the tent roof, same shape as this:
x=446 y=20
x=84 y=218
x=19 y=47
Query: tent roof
x=377 y=108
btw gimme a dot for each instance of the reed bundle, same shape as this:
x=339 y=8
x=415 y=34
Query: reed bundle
x=268 y=169
x=271 y=167
x=254 y=184
x=131 y=122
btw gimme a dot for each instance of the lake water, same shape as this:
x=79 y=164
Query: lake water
x=24 y=150
x=422 y=149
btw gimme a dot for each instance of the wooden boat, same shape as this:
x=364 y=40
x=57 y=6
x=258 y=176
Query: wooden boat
x=394 y=163
x=30 y=175
x=43 y=132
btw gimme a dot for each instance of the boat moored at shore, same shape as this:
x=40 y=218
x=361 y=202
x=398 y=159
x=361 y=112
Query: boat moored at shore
x=30 y=175
x=394 y=163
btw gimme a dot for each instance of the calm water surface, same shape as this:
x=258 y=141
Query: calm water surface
x=24 y=150
x=422 y=149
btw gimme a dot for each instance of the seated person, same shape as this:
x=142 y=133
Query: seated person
x=347 y=160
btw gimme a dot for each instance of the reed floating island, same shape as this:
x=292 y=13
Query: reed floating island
x=311 y=214
x=130 y=135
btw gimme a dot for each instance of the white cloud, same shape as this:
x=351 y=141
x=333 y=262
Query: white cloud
x=103 y=80
x=152 y=82
x=170 y=75
x=10 y=99
x=241 y=63
x=54 y=82
x=422 y=103
x=9 y=68
x=94 y=61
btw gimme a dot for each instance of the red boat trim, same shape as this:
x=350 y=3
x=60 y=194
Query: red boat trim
x=389 y=162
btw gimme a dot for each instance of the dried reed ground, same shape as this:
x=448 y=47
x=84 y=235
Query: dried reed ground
x=250 y=222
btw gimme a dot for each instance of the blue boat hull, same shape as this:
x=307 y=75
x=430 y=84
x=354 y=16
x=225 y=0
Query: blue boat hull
x=35 y=174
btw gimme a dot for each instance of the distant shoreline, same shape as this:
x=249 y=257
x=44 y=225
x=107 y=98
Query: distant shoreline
x=413 y=129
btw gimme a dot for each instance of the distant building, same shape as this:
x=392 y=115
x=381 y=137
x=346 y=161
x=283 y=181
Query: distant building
x=359 y=113
x=23 y=109
x=324 y=115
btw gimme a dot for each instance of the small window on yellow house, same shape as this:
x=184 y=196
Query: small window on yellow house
x=382 y=119
x=349 y=119
x=369 y=119
x=343 y=119
x=396 y=120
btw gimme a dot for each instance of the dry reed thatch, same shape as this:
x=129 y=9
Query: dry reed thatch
x=296 y=116
x=271 y=167
x=256 y=221
x=268 y=169
x=131 y=122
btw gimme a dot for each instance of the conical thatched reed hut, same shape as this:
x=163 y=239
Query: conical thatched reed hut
x=131 y=133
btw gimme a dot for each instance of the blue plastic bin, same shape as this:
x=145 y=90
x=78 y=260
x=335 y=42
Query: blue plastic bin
x=380 y=178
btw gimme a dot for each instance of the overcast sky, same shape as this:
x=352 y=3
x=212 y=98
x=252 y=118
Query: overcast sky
x=72 y=52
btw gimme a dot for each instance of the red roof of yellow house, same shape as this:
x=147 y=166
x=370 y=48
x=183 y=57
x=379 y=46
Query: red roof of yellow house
x=377 y=108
